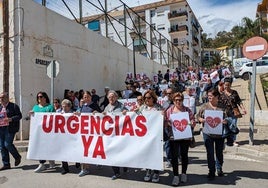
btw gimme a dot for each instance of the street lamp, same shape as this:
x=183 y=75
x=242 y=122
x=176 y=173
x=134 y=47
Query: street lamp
x=133 y=36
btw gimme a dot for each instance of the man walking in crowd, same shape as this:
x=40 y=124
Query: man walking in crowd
x=166 y=76
x=10 y=116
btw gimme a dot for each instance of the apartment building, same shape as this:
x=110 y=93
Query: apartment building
x=262 y=14
x=166 y=31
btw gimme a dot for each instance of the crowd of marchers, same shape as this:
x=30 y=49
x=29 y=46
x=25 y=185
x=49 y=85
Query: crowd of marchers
x=173 y=92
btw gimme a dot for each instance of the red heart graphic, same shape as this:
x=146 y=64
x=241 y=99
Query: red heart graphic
x=213 y=122
x=180 y=125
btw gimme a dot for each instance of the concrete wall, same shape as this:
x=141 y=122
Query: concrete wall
x=87 y=60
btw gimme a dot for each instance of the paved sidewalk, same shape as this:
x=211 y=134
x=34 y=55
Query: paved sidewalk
x=260 y=140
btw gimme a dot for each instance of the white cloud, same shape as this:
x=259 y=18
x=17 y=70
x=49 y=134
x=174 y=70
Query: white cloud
x=224 y=16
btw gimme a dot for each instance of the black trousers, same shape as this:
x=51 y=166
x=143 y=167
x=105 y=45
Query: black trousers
x=183 y=145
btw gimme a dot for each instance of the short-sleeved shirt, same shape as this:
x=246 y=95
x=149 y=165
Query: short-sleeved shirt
x=46 y=108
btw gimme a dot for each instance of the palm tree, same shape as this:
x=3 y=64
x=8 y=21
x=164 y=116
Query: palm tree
x=216 y=59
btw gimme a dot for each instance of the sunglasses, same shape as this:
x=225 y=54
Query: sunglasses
x=169 y=93
x=40 y=96
x=147 y=97
x=178 y=100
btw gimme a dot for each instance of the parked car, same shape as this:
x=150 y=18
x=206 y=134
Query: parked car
x=246 y=70
x=237 y=64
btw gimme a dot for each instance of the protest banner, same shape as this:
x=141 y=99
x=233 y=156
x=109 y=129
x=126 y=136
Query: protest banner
x=180 y=126
x=213 y=122
x=214 y=76
x=129 y=140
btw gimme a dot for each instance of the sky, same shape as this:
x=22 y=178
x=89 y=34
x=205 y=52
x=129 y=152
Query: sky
x=216 y=15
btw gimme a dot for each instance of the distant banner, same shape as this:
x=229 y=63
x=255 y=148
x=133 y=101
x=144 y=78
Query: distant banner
x=129 y=140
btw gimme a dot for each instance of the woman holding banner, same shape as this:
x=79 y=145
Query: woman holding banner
x=43 y=105
x=181 y=120
x=211 y=115
x=150 y=104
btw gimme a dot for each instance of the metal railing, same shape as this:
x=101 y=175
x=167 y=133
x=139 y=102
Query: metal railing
x=151 y=41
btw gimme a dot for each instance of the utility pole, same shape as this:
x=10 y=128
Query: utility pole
x=6 y=46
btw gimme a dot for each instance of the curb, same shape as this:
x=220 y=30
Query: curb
x=246 y=151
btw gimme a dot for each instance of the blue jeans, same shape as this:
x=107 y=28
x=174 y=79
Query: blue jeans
x=234 y=122
x=167 y=150
x=7 y=146
x=214 y=145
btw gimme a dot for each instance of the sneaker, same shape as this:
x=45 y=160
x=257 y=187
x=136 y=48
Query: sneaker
x=168 y=164
x=176 y=181
x=116 y=176
x=64 y=171
x=155 y=178
x=51 y=164
x=183 y=178
x=236 y=144
x=220 y=172
x=83 y=173
x=147 y=177
x=40 y=168
x=211 y=176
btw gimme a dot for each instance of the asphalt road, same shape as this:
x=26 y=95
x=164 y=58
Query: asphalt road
x=240 y=171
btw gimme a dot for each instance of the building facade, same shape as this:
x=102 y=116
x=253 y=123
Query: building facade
x=262 y=14
x=167 y=31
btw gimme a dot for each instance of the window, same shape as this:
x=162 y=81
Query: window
x=152 y=13
x=249 y=65
x=94 y=25
x=176 y=41
x=162 y=42
x=154 y=40
x=160 y=14
x=121 y=20
x=161 y=27
x=154 y=55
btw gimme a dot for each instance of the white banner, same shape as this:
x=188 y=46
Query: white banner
x=180 y=126
x=213 y=122
x=129 y=103
x=129 y=140
x=226 y=72
x=214 y=76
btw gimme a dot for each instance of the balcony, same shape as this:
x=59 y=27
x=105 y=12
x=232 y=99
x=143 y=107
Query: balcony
x=195 y=41
x=177 y=28
x=140 y=21
x=175 y=14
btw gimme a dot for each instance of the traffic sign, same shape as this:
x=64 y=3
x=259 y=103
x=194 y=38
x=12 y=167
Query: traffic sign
x=254 y=48
x=53 y=69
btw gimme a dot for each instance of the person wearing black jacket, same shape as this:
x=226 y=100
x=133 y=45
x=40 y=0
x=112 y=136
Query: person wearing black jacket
x=10 y=116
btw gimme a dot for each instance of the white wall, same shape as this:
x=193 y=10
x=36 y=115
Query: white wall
x=87 y=59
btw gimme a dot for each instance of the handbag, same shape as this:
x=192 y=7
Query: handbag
x=237 y=112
